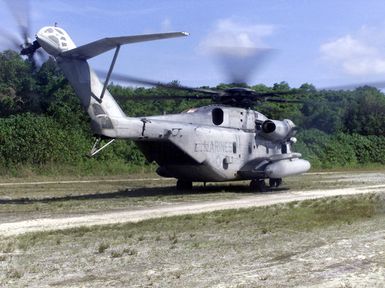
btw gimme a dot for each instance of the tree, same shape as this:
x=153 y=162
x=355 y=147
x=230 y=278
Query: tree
x=366 y=112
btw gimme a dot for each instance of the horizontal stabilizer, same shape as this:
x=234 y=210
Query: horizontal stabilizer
x=98 y=47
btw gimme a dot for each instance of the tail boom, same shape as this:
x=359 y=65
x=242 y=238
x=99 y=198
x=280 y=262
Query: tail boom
x=106 y=115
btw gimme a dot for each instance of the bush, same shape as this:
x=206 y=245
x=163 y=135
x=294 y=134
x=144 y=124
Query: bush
x=28 y=140
x=340 y=150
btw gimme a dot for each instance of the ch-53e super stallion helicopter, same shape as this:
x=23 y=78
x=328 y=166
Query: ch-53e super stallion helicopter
x=220 y=142
x=224 y=141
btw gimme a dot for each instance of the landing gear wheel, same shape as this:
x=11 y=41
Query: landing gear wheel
x=275 y=182
x=258 y=185
x=183 y=185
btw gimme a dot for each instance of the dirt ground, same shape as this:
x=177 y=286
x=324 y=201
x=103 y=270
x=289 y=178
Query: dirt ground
x=344 y=255
x=136 y=215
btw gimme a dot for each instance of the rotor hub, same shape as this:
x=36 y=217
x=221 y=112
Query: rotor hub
x=28 y=48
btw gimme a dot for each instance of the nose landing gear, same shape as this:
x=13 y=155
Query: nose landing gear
x=275 y=182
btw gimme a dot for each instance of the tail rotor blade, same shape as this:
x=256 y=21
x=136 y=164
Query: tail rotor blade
x=9 y=41
x=20 y=11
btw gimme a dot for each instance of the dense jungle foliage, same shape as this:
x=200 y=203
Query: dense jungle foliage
x=44 y=130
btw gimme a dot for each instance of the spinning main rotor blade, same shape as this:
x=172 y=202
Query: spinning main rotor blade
x=131 y=79
x=281 y=100
x=376 y=84
x=168 y=97
x=239 y=63
x=230 y=96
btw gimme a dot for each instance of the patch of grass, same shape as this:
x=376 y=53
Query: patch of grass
x=264 y=230
x=173 y=238
x=8 y=246
x=94 y=168
x=129 y=251
x=103 y=247
x=198 y=243
x=14 y=273
x=116 y=254
x=298 y=216
x=141 y=238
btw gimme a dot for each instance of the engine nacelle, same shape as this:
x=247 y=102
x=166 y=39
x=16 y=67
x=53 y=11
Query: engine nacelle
x=275 y=130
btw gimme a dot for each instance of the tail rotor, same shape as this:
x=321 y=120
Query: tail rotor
x=21 y=41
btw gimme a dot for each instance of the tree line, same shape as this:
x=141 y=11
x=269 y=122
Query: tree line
x=43 y=125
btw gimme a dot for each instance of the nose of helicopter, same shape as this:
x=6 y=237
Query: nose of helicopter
x=54 y=40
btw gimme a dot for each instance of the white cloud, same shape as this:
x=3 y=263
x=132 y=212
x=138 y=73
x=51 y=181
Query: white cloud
x=359 y=54
x=166 y=25
x=228 y=33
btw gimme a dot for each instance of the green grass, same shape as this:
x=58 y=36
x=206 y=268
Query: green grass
x=190 y=248
x=87 y=168
x=36 y=200
x=295 y=216
x=119 y=167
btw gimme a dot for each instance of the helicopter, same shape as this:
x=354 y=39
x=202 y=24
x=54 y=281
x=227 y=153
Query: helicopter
x=224 y=141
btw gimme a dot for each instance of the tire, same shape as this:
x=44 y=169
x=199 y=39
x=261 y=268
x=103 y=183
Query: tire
x=275 y=182
x=258 y=185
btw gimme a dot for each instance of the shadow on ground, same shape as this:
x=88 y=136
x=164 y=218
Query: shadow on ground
x=142 y=192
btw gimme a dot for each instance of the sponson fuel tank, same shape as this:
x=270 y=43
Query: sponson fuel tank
x=287 y=167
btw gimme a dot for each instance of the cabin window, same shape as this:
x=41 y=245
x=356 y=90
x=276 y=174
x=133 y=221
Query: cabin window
x=234 y=147
x=217 y=114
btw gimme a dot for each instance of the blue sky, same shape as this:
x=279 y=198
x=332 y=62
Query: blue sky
x=325 y=43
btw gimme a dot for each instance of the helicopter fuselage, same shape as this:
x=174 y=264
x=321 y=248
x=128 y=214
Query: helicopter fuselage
x=210 y=143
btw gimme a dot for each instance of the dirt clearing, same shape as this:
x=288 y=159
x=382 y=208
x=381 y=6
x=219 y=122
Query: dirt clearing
x=143 y=234
x=46 y=224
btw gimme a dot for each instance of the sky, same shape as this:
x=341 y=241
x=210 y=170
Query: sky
x=325 y=43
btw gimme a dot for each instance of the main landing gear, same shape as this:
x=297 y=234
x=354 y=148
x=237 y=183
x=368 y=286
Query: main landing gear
x=259 y=185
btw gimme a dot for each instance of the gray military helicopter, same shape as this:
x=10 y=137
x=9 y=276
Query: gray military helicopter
x=225 y=141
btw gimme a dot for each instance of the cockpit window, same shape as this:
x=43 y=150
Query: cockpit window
x=217 y=115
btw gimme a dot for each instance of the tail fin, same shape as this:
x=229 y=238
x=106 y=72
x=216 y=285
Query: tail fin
x=96 y=100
